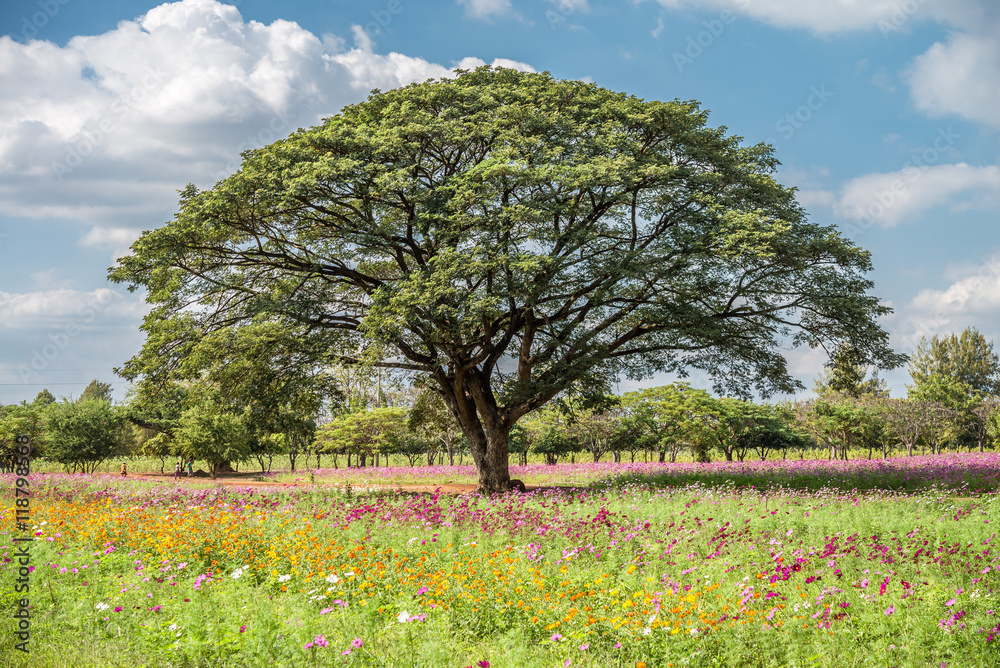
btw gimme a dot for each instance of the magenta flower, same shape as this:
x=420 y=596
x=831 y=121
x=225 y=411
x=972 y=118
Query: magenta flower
x=243 y=628
x=483 y=664
x=118 y=609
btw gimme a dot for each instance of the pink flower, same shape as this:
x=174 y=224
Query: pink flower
x=584 y=647
x=950 y=602
x=891 y=609
x=556 y=637
x=325 y=610
x=357 y=643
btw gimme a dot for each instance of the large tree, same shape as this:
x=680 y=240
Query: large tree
x=507 y=235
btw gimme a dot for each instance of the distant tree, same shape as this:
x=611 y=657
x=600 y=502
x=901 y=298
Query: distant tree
x=208 y=429
x=364 y=433
x=96 y=390
x=955 y=417
x=967 y=358
x=678 y=416
x=21 y=420
x=430 y=418
x=908 y=420
x=520 y=444
x=554 y=443
x=593 y=420
x=44 y=398
x=745 y=427
x=845 y=375
x=81 y=435
x=841 y=424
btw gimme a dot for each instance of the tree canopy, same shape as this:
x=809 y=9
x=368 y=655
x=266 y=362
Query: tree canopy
x=967 y=357
x=506 y=235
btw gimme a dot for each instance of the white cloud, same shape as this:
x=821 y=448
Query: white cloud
x=569 y=6
x=484 y=9
x=820 y=16
x=116 y=239
x=972 y=300
x=66 y=308
x=888 y=199
x=960 y=76
x=106 y=128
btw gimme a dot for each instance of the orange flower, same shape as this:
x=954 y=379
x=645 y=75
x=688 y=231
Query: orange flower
x=641 y=664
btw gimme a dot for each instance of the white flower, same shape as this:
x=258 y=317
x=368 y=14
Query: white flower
x=403 y=617
x=237 y=573
x=284 y=578
x=349 y=574
x=102 y=606
x=693 y=632
x=332 y=578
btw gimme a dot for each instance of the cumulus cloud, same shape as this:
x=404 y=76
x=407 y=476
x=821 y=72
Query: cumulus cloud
x=960 y=76
x=65 y=307
x=891 y=198
x=106 y=128
x=972 y=300
x=485 y=9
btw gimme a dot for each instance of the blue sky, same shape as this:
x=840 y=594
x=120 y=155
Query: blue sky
x=885 y=115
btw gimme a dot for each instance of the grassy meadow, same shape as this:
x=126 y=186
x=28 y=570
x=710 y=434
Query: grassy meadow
x=797 y=563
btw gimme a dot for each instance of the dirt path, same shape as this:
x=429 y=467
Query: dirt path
x=247 y=480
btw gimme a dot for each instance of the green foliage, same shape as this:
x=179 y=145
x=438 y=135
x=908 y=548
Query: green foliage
x=96 y=390
x=676 y=417
x=363 y=433
x=846 y=373
x=448 y=226
x=967 y=358
x=81 y=435
x=553 y=444
x=44 y=398
x=208 y=429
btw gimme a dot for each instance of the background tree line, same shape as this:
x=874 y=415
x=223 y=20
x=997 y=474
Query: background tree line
x=246 y=413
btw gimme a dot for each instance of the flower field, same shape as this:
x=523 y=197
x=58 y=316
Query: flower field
x=774 y=564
